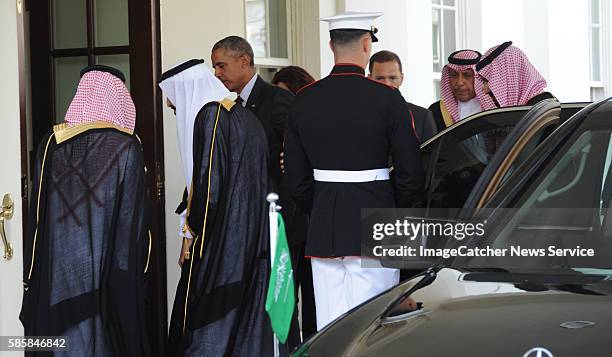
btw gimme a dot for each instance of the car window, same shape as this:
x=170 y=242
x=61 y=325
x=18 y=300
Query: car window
x=455 y=160
x=566 y=205
x=566 y=112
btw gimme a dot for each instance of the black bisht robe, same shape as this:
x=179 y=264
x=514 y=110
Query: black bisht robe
x=219 y=309
x=88 y=244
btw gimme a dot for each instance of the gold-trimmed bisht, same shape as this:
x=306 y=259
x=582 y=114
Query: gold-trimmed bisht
x=61 y=133
x=227 y=105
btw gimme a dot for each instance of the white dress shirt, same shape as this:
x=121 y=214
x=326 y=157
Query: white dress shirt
x=246 y=91
x=468 y=108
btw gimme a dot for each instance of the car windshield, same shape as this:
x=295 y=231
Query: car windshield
x=561 y=220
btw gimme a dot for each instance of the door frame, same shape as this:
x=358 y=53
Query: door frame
x=145 y=67
x=550 y=117
x=145 y=64
x=25 y=139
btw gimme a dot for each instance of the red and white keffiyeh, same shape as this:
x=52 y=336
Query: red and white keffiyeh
x=102 y=96
x=512 y=79
x=456 y=60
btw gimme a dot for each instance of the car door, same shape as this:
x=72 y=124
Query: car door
x=461 y=161
x=560 y=198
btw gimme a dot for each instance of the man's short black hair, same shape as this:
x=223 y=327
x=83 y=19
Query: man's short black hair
x=238 y=45
x=345 y=37
x=384 y=56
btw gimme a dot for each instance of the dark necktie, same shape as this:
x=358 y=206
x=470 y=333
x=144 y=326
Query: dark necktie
x=239 y=100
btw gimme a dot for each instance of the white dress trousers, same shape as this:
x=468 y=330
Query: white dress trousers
x=342 y=283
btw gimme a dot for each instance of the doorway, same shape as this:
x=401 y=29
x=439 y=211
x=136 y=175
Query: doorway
x=68 y=35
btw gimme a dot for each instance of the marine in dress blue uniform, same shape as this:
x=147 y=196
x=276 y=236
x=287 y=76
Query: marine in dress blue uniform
x=342 y=130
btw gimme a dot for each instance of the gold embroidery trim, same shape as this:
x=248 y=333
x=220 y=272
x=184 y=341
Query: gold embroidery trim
x=446 y=115
x=186 y=227
x=189 y=282
x=64 y=132
x=212 y=146
x=42 y=173
x=149 y=253
x=210 y=159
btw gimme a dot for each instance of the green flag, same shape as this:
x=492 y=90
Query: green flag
x=281 y=292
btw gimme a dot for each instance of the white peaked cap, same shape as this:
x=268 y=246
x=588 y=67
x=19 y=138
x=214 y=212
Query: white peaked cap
x=352 y=20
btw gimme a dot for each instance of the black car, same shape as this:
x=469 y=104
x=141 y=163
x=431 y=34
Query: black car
x=535 y=191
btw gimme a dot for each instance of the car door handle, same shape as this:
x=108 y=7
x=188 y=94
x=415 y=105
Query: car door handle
x=6 y=214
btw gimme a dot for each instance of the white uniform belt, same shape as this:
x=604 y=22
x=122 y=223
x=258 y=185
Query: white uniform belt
x=351 y=176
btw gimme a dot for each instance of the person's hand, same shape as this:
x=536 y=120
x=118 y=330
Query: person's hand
x=282 y=162
x=409 y=304
x=185 y=253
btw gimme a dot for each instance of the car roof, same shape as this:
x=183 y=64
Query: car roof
x=525 y=108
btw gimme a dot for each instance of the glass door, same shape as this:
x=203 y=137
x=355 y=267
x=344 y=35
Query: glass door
x=86 y=32
x=68 y=35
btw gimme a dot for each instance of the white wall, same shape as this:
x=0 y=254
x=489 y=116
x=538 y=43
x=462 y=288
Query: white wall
x=553 y=34
x=11 y=287
x=189 y=29
x=536 y=40
x=607 y=40
x=405 y=28
x=569 y=61
x=502 y=20
x=326 y=8
x=471 y=28
x=306 y=36
x=418 y=82
x=546 y=33
x=525 y=23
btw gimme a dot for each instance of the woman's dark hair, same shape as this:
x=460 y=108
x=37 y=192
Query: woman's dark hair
x=294 y=78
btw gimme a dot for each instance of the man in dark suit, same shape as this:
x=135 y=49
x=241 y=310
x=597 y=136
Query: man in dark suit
x=233 y=62
x=386 y=67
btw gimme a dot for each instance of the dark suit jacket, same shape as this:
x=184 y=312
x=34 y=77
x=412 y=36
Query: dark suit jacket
x=424 y=125
x=271 y=105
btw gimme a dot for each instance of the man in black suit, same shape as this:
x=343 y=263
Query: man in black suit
x=386 y=67
x=233 y=62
